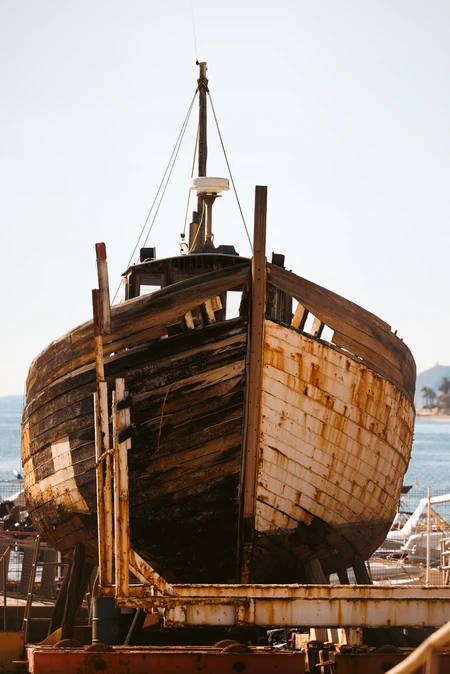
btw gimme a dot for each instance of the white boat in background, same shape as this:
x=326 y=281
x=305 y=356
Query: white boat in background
x=394 y=572
x=410 y=540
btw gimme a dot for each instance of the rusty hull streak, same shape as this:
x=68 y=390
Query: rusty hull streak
x=349 y=444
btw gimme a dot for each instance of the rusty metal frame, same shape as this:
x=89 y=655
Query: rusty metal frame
x=347 y=606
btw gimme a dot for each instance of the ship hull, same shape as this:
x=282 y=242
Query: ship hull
x=334 y=439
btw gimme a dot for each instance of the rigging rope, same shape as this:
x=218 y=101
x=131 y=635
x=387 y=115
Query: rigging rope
x=193 y=28
x=170 y=166
x=168 y=172
x=229 y=171
x=194 y=243
x=192 y=174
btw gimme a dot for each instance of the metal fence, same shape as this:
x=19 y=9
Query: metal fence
x=416 y=550
x=12 y=490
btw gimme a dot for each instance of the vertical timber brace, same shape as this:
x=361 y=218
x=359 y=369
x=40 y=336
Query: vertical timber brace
x=250 y=454
x=102 y=325
x=113 y=513
x=126 y=557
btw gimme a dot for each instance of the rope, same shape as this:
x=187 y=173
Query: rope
x=170 y=166
x=194 y=243
x=173 y=159
x=229 y=171
x=193 y=28
x=162 y=414
x=192 y=173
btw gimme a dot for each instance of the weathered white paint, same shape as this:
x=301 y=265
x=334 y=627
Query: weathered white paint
x=368 y=448
x=60 y=486
x=335 y=437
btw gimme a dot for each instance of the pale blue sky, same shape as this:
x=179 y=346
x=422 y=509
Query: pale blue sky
x=341 y=108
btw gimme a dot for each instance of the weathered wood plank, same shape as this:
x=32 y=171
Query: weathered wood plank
x=353 y=321
x=222 y=464
x=373 y=452
x=379 y=362
x=296 y=390
x=179 y=409
x=139 y=366
x=191 y=439
x=333 y=371
x=128 y=321
x=299 y=317
x=361 y=469
x=398 y=435
x=341 y=488
x=161 y=351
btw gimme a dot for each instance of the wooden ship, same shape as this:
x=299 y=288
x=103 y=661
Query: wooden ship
x=261 y=452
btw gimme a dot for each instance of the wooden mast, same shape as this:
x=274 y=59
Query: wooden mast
x=202 y=145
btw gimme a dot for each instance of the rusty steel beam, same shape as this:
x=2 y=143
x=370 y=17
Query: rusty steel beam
x=348 y=606
x=148 y=575
x=183 y=660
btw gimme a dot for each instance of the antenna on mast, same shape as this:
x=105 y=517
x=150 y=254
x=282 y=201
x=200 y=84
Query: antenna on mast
x=207 y=188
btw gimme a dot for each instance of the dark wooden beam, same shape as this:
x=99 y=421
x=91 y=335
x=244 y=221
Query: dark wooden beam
x=132 y=323
x=253 y=393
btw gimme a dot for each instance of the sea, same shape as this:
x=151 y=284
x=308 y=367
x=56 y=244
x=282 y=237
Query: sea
x=429 y=465
x=10 y=434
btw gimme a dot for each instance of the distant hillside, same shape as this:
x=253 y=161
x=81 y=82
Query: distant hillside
x=12 y=403
x=431 y=378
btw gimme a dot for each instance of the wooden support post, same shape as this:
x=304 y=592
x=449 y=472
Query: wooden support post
x=125 y=556
x=103 y=284
x=253 y=393
x=343 y=577
x=68 y=622
x=102 y=324
x=360 y=571
x=313 y=573
x=121 y=493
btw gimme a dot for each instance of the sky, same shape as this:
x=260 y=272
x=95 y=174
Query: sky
x=341 y=108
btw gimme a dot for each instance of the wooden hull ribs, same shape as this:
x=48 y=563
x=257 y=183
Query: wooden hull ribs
x=251 y=456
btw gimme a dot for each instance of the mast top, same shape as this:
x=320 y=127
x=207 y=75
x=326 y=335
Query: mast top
x=202 y=80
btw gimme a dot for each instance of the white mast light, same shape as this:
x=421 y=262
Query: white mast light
x=210 y=185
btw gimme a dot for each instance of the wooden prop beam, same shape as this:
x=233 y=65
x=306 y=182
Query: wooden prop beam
x=100 y=300
x=253 y=401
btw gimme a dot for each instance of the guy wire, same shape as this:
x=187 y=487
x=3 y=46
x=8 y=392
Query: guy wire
x=193 y=28
x=174 y=152
x=229 y=171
